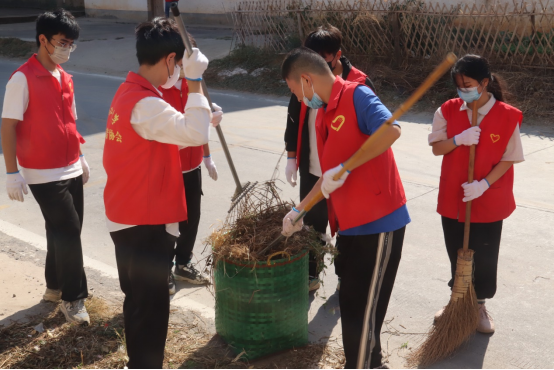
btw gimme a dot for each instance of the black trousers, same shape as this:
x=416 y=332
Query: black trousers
x=358 y=256
x=62 y=205
x=317 y=217
x=484 y=239
x=189 y=228
x=141 y=254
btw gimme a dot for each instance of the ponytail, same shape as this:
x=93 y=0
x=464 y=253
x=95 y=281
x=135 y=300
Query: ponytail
x=498 y=88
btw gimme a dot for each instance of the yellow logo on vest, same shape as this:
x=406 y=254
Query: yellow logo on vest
x=338 y=118
x=111 y=135
x=495 y=138
x=71 y=86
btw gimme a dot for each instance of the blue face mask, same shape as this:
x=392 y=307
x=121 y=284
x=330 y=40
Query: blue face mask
x=316 y=101
x=470 y=94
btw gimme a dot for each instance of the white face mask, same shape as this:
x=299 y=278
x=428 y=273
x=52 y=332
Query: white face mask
x=60 y=55
x=171 y=80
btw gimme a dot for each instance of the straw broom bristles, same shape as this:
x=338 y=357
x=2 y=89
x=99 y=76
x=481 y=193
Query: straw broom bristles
x=458 y=321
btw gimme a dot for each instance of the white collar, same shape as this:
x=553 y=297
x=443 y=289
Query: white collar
x=485 y=109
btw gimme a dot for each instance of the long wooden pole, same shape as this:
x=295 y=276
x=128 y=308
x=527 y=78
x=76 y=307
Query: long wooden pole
x=470 y=173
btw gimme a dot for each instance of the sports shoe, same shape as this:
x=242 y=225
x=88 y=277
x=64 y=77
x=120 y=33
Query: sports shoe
x=338 y=286
x=75 y=311
x=52 y=295
x=438 y=314
x=486 y=324
x=314 y=284
x=171 y=283
x=191 y=274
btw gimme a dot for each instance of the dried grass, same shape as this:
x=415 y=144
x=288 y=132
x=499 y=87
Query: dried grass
x=255 y=223
x=101 y=345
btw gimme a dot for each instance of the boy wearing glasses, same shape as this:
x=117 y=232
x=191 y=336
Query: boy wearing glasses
x=39 y=132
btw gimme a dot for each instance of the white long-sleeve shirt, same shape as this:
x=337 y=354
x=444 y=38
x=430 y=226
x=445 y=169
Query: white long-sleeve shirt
x=153 y=118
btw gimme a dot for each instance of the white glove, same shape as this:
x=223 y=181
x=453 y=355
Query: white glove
x=474 y=190
x=16 y=186
x=86 y=169
x=290 y=171
x=210 y=166
x=329 y=185
x=217 y=115
x=468 y=137
x=288 y=227
x=195 y=65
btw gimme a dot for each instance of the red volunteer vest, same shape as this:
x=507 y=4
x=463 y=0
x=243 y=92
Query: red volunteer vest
x=145 y=185
x=47 y=137
x=372 y=190
x=497 y=127
x=191 y=156
x=355 y=75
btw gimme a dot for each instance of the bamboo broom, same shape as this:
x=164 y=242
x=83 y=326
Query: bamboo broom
x=460 y=317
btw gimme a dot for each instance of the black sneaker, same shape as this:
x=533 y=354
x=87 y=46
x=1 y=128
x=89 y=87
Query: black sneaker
x=171 y=281
x=191 y=274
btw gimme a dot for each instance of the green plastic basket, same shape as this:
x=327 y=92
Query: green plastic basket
x=262 y=308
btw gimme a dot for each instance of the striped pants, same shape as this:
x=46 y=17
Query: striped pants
x=357 y=260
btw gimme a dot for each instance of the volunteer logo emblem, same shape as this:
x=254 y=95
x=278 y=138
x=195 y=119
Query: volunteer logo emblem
x=341 y=121
x=495 y=138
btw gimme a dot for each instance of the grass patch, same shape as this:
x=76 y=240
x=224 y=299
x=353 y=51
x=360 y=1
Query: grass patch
x=102 y=345
x=16 y=48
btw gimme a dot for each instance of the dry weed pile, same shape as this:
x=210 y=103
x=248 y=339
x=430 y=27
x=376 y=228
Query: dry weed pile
x=255 y=223
x=101 y=345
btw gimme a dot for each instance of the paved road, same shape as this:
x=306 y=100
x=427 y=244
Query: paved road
x=254 y=125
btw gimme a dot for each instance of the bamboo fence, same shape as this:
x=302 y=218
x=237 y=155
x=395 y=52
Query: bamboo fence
x=519 y=33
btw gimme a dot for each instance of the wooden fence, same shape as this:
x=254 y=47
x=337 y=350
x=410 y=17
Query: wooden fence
x=519 y=33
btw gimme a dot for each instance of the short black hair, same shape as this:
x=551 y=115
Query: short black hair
x=324 y=40
x=301 y=60
x=156 y=39
x=58 y=21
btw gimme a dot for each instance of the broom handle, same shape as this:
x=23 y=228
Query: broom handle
x=188 y=46
x=420 y=91
x=470 y=172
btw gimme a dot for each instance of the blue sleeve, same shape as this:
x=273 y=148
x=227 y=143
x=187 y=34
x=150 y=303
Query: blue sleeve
x=371 y=113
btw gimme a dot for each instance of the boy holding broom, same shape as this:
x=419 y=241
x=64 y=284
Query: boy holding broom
x=39 y=131
x=301 y=138
x=144 y=195
x=366 y=206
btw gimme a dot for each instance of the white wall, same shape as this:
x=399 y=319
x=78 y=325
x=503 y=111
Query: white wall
x=126 y=5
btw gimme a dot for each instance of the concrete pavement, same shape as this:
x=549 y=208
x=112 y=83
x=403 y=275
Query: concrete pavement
x=254 y=129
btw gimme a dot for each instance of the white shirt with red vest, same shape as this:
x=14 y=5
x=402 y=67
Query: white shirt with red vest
x=152 y=118
x=16 y=102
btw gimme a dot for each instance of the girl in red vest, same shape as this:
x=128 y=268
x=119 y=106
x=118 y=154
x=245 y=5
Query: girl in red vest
x=39 y=131
x=144 y=195
x=301 y=137
x=367 y=207
x=498 y=147
x=191 y=159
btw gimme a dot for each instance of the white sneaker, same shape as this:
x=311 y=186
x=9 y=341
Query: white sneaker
x=75 y=311
x=52 y=295
x=486 y=324
x=438 y=314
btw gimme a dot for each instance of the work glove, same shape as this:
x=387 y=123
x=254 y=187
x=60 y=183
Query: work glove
x=16 y=186
x=290 y=171
x=217 y=115
x=195 y=65
x=210 y=166
x=474 y=190
x=468 y=137
x=288 y=227
x=329 y=185
x=86 y=169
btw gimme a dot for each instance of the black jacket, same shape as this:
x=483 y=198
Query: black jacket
x=293 y=119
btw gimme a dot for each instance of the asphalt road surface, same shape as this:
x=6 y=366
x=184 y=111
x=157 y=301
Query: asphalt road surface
x=254 y=127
